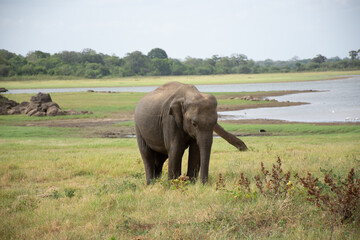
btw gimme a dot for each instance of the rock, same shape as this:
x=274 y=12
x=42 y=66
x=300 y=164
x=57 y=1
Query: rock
x=86 y=112
x=3 y=89
x=60 y=113
x=53 y=110
x=41 y=98
x=39 y=114
x=46 y=106
x=39 y=105
x=24 y=104
x=90 y=91
x=22 y=107
x=32 y=106
x=250 y=98
x=13 y=111
x=32 y=112
x=71 y=112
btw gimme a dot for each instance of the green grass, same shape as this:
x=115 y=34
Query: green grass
x=42 y=82
x=75 y=188
x=34 y=132
x=291 y=129
x=101 y=104
x=56 y=183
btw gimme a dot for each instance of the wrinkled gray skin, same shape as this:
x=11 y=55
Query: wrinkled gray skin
x=170 y=119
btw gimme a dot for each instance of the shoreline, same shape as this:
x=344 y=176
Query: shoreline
x=110 y=128
x=189 y=79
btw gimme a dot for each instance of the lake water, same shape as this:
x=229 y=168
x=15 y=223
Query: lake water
x=338 y=101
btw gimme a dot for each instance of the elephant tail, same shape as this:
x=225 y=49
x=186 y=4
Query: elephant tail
x=230 y=138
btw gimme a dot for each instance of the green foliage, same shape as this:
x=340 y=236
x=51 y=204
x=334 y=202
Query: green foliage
x=90 y=64
x=157 y=53
x=69 y=192
x=180 y=183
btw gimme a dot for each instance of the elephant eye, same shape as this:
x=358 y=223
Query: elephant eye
x=194 y=123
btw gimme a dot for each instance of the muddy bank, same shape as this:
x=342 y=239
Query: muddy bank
x=260 y=96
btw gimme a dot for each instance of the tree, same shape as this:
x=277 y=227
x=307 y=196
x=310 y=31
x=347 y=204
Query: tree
x=137 y=63
x=36 y=56
x=177 y=67
x=160 y=67
x=95 y=70
x=319 y=59
x=223 y=66
x=70 y=57
x=353 y=55
x=90 y=56
x=157 y=53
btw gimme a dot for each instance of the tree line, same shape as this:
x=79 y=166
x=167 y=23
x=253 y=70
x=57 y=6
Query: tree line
x=90 y=64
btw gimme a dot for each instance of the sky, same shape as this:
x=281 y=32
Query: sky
x=260 y=29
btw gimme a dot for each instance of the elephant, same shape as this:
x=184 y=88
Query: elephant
x=171 y=119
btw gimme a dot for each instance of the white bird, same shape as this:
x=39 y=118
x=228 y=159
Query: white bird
x=347 y=118
x=333 y=111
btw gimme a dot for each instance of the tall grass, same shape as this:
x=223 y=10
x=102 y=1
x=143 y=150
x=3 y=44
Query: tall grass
x=72 y=188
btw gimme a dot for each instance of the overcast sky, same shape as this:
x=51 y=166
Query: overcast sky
x=260 y=29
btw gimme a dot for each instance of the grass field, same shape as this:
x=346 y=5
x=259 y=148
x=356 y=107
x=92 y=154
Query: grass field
x=67 y=183
x=44 y=82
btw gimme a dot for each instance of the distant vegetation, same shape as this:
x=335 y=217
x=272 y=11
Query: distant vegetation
x=90 y=64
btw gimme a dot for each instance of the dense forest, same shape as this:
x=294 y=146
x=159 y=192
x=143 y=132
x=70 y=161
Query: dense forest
x=90 y=64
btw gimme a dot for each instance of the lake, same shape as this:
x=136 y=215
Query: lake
x=338 y=101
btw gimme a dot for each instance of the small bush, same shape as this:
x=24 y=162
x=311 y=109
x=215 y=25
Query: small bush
x=69 y=192
x=341 y=198
x=277 y=183
x=180 y=184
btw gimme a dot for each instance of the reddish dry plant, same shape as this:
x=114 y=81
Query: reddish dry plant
x=220 y=183
x=244 y=182
x=345 y=197
x=276 y=181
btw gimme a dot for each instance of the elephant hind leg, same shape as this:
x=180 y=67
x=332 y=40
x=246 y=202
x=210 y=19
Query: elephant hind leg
x=153 y=161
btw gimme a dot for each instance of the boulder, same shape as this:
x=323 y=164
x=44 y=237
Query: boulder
x=31 y=106
x=41 y=98
x=6 y=104
x=53 y=110
x=71 y=112
x=3 y=89
x=32 y=112
x=13 y=111
x=39 y=105
x=39 y=114
x=46 y=106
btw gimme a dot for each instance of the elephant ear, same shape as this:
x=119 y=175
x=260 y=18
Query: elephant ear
x=176 y=110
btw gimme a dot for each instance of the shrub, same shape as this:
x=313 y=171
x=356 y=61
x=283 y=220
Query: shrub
x=342 y=200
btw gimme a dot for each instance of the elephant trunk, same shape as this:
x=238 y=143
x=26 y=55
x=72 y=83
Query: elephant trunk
x=205 y=141
x=230 y=138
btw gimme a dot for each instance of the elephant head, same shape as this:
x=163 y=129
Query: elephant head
x=196 y=115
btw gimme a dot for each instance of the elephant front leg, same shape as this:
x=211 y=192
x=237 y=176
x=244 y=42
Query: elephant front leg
x=194 y=161
x=174 y=165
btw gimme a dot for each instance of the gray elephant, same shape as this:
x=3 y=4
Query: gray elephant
x=172 y=118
